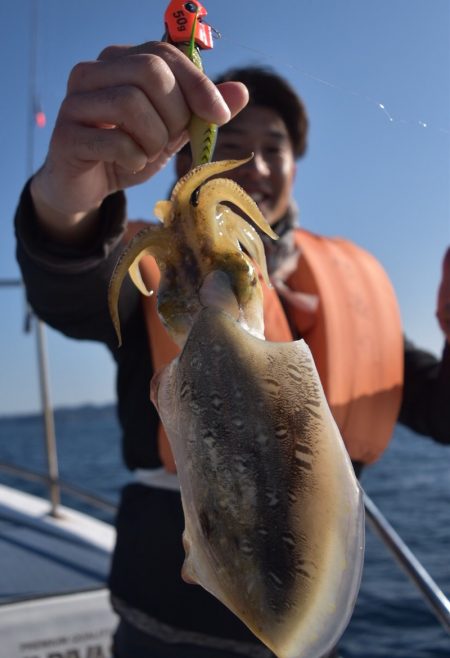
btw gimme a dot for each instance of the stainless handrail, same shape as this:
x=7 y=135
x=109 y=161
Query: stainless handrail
x=11 y=283
x=46 y=405
x=70 y=489
x=431 y=593
x=49 y=420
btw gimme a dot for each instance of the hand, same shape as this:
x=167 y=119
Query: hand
x=443 y=300
x=123 y=117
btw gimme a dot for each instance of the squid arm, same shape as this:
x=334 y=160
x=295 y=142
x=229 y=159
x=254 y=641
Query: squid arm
x=246 y=236
x=151 y=240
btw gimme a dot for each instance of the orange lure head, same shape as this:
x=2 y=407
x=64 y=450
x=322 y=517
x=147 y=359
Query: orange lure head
x=181 y=18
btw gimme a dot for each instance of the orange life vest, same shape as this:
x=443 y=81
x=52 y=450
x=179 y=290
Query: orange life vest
x=355 y=338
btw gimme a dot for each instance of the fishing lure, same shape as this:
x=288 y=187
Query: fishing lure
x=184 y=24
x=186 y=29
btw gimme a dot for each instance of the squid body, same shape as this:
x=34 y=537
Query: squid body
x=274 y=521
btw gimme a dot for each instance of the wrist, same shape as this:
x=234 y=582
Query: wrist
x=60 y=225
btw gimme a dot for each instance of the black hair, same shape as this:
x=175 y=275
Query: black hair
x=270 y=90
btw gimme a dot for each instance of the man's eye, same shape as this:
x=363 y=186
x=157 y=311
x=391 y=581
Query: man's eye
x=274 y=150
x=230 y=150
x=228 y=146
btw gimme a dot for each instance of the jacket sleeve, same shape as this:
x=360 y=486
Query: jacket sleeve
x=67 y=287
x=426 y=394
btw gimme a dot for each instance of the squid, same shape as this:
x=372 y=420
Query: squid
x=274 y=520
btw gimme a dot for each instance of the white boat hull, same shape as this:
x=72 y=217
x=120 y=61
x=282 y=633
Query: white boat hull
x=70 y=626
x=53 y=597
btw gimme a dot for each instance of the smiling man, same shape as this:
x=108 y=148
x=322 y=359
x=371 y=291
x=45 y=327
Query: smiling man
x=124 y=116
x=274 y=128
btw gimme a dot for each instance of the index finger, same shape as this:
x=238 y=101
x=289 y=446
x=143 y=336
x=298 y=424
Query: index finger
x=200 y=93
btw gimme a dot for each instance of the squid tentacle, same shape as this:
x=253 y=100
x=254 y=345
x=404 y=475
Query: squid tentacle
x=228 y=190
x=163 y=210
x=187 y=185
x=247 y=236
x=151 y=240
x=199 y=235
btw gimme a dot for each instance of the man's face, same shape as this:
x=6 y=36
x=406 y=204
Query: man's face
x=269 y=175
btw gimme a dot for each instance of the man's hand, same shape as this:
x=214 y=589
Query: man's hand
x=123 y=117
x=443 y=300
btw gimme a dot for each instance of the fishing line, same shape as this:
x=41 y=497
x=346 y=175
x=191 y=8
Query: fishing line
x=380 y=106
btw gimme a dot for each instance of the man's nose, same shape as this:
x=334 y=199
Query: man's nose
x=257 y=166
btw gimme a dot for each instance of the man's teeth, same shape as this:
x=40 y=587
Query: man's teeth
x=257 y=197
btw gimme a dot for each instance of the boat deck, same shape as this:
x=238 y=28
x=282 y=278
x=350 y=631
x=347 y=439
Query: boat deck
x=53 y=599
x=43 y=556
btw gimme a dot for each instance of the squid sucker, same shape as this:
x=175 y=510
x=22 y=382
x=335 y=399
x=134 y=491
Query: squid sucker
x=274 y=520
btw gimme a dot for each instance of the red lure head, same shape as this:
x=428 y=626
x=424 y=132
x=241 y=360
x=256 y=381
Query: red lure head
x=179 y=19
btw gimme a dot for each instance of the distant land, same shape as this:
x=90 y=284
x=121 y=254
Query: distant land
x=85 y=409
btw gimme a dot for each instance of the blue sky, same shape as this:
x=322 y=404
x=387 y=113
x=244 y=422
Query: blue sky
x=378 y=175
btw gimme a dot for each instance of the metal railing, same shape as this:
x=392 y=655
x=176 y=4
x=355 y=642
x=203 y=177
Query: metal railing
x=46 y=404
x=431 y=593
x=76 y=492
x=51 y=479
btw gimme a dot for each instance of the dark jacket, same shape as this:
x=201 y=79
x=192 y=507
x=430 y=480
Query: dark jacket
x=67 y=288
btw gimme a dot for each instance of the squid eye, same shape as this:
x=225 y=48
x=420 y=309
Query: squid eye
x=194 y=197
x=191 y=6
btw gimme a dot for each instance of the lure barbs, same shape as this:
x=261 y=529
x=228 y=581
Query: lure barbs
x=184 y=18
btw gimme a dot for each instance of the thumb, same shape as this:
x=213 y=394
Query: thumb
x=235 y=95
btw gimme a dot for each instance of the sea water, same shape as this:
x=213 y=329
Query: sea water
x=410 y=485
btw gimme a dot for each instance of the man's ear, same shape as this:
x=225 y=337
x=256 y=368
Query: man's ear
x=182 y=162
